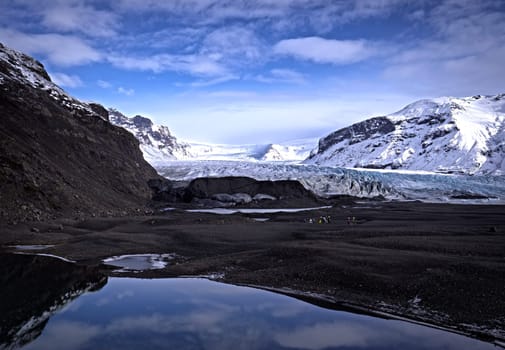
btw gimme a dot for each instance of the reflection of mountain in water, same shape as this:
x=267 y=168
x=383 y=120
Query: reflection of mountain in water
x=33 y=288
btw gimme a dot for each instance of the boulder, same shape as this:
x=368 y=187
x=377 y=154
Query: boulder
x=241 y=198
x=210 y=186
x=162 y=189
x=262 y=197
x=100 y=110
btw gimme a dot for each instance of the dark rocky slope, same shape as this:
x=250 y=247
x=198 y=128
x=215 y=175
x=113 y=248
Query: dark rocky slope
x=59 y=155
x=206 y=187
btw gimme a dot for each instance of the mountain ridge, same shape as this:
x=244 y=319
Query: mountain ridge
x=156 y=141
x=61 y=156
x=159 y=145
x=446 y=134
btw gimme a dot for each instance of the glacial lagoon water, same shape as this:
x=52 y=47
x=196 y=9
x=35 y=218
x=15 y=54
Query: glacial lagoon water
x=190 y=313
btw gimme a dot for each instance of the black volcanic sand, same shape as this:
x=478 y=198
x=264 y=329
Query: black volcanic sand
x=444 y=264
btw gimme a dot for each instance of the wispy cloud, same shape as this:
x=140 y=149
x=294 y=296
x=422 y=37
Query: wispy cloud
x=215 y=81
x=319 y=15
x=281 y=76
x=464 y=56
x=124 y=91
x=234 y=45
x=78 y=17
x=450 y=47
x=104 y=84
x=66 y=80
x=322 y=50
x=232 y=94
x=199 y=65
x=59 y=49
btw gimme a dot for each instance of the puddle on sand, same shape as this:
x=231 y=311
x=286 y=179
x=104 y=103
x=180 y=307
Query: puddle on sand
x=32 y=246
x=224 y=211
x=129 y=313
x=46 y=255
x=261 y=219
x=139 y=262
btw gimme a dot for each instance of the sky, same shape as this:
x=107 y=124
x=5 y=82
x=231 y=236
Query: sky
x=244 y=71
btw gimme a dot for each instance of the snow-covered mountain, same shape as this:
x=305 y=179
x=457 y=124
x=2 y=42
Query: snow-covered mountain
x=453 y=135
x=159 y=146
x=296 y=150
x=22 y=69
x=156 y=142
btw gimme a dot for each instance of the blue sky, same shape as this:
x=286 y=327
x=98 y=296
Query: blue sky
x=243 y=71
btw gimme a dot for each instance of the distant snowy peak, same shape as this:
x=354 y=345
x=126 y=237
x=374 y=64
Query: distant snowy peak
x=156 y=141
x=19 y=68
x=462 y=135
x=295 y=151
x=160 y=146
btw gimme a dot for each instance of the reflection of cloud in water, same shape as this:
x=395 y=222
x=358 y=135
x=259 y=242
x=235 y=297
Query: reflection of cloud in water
x=121 y=295
x=211 y=330
x=325 y=335
x=157 y=323
x=285 y=309
x=431 y=337
x=102 y=301
x=75 y=335
x=351 y=334
x=193 y=287
x=200 y=314
x=126 y=293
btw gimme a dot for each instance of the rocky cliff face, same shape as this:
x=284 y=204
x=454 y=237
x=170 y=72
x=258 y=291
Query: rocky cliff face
x=59 y=155
x=156 y=142
x=454 y=135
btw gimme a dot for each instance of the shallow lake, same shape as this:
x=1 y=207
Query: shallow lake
x=190 y=313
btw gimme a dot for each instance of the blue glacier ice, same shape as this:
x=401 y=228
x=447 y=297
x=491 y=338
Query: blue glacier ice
x=365 y=183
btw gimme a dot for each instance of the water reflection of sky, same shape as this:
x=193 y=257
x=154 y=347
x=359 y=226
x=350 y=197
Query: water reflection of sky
x=200 y=314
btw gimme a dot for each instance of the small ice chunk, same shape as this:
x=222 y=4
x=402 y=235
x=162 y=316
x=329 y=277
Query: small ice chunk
x=262 y=197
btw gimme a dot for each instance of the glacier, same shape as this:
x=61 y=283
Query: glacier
x=329 y=181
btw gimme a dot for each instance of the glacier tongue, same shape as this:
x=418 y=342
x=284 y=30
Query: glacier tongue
x=326 y=181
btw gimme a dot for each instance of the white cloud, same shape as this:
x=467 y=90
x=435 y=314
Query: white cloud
x=66 y=80
x=215 y=81
x=58 y=49
x=180 y=38
x=198 y=65
x=104 y=84
x=124 y=91
x=234 y=45
x=464 y=57
x=319 y=16
x=226 y=94
x=321 y=50
x=331 y=335
x=69 y=17
x=282 y=76
x=244 y=116
x=77 y=335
